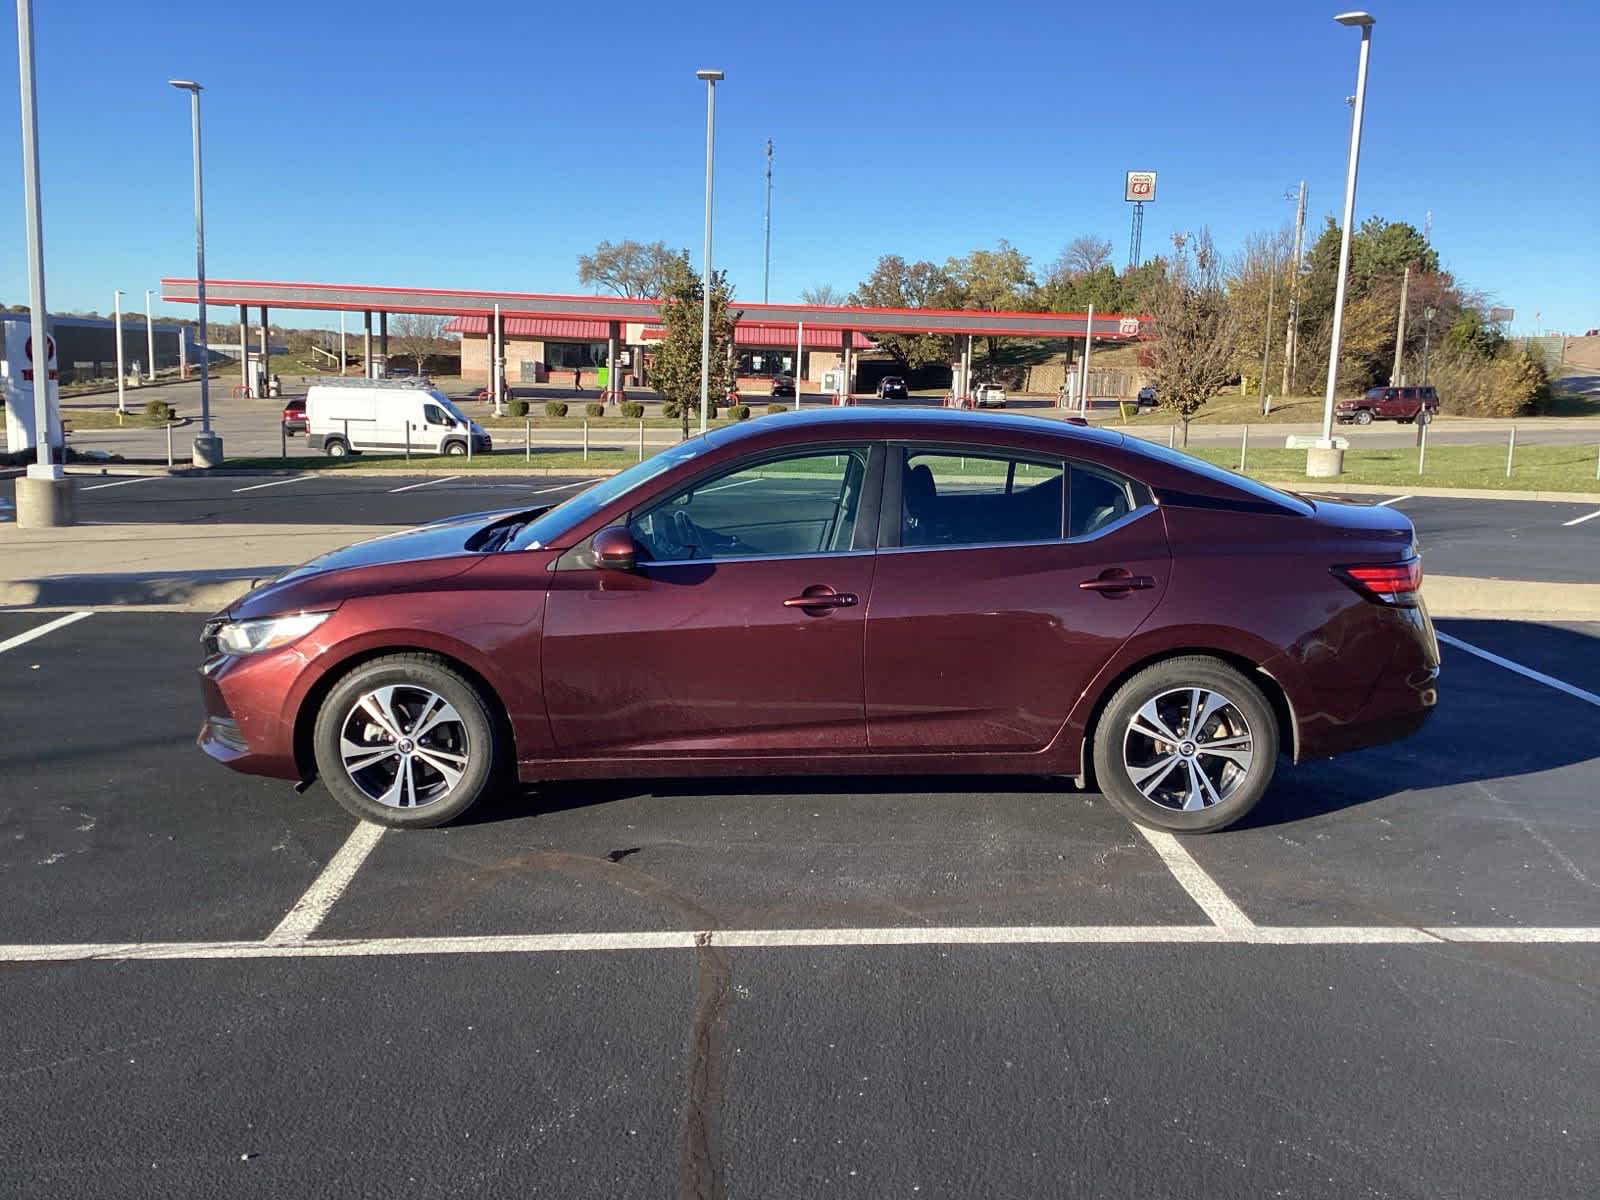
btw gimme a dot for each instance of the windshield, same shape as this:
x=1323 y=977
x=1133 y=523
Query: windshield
x=547 y=529
x=447 y=404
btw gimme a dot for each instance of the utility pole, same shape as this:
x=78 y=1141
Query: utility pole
x=150 y=340
x=766 y=269
x=1291 y=340
x=1396 y=373
x=1266 y=349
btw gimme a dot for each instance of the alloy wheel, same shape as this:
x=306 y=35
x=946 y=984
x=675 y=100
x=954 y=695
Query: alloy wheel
x=1188 y=748
x=404 y=746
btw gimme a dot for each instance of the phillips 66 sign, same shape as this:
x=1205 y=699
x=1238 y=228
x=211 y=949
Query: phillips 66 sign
x=1140 y=185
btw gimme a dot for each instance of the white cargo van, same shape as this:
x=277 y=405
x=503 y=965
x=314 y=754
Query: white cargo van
x=347 y=417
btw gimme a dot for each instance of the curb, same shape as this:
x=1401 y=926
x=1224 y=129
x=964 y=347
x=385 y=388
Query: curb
x=1375 y=489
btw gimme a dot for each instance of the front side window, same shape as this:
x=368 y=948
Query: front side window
x=433 y=415
x=950 y=499
x=777 y=507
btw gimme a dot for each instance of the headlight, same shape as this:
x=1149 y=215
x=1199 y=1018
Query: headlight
x=252 y=637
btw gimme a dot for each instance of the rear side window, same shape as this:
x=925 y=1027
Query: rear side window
x=966 y=500
x=1097 y=498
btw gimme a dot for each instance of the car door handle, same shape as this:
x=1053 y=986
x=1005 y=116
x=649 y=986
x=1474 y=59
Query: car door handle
x=1117 y=580
x=820 y=597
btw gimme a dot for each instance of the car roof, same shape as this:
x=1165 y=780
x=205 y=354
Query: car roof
x=940 y=423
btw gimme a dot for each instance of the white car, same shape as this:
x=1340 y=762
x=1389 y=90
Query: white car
x=988 y=395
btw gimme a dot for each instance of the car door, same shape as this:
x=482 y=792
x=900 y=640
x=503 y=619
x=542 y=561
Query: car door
x=986 y=623
x=739 y=630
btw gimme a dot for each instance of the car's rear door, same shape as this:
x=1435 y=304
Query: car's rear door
x=741 y=629
x=987 y=623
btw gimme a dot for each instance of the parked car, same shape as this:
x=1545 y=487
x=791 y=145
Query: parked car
x=988 y=395
x=1403 y=404
x=1147 y=397
x=892 y=387
x=783 y=387
x=373 y=415
x=294 y=416
x=845 y=592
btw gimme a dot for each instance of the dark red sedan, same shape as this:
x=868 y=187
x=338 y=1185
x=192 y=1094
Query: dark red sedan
x=847 y=591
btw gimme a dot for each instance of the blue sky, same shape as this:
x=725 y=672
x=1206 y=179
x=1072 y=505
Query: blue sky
x=487 y=146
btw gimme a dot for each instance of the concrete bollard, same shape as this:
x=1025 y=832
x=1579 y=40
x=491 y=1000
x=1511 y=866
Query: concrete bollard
x=1244 y=447
x=1511 y=450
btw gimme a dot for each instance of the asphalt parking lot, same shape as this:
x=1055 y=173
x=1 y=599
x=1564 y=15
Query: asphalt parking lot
x=1383 y=983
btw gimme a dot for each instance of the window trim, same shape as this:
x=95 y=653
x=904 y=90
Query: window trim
x=863 y=540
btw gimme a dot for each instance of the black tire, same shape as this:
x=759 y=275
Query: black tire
x=1115 y=741
x=335 y=447
x=455 y=449
x=475 y=737
x=1364 y=417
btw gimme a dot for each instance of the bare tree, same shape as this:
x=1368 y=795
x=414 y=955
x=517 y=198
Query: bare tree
x=630 y=269
x=417 y=335
x=823 y=295
x=1196 y=330
x=1081 y=256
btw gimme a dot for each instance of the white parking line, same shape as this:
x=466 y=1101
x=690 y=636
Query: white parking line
x=721 y=487
x=1581 y=520
x=256 y=487
x=22 y=639
x=562 y=487
x=120 y=483
x=1529 y=672
x=410 y=487
x=1202 y=889
x=801 y=939
x=1396 y=500
x=302 y=920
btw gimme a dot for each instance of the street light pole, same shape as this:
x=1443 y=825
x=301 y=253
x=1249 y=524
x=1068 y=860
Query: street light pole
x=207 y=445
x=1324 y=459
x=766 y=261
x=1427 y=339
x=44 y=495
x=711 y=78
x=122 y=371
x=149 y=340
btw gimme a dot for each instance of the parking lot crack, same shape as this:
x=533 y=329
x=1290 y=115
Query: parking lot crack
x=700 y=1159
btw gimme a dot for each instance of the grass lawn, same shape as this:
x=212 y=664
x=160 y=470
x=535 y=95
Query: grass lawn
x=77 y=419
x=1537 y=468
x=1240 y=410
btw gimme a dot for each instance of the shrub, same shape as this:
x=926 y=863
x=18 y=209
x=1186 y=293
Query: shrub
x=158 y=410
x=633 y=410
x=555 y=408
x=1509 y=385
x=518 y=408
x=740 y=412
x=777 y=408
x=595 y=410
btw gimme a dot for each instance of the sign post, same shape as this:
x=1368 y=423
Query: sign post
x=1137 y=188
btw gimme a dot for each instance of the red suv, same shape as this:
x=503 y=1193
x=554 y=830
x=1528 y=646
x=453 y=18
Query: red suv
x=294 y=416
x=1403 y=404
x=847 y=591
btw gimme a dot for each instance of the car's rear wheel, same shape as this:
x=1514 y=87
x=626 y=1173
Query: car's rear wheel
x=1364 y=417
x=335 y=448
x=1188 y=744
x=407 y=741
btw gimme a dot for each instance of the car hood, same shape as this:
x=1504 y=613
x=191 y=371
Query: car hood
x=400 y=561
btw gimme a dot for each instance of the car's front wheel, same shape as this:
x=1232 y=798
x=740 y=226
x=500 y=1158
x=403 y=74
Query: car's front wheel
x=1364 y=417
x=406 y=740
x=1187 y=744
x=455 y=448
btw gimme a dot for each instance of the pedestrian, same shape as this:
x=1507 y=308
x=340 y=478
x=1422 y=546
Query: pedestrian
x=577 y=379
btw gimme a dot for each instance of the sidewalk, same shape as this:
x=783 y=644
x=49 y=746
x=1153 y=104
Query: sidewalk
x=182 y=567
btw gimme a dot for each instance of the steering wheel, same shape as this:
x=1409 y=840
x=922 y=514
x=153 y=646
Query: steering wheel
x=696 y=537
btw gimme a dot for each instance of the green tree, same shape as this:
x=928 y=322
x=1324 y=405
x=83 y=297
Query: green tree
x=994 y=280
x=1196 y=329
x=675 y=367
x=628 y=268
x=894 y=283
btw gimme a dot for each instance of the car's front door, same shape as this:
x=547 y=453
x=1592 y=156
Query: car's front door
x=740 y=628
x=986 y=622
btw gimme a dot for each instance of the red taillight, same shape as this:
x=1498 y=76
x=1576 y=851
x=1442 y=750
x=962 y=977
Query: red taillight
x=1391 y=583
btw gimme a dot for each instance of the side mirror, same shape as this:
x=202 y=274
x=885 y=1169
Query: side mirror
x=614 y=549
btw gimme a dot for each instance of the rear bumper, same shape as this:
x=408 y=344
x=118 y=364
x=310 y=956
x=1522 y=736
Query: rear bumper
x=1397 y=703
